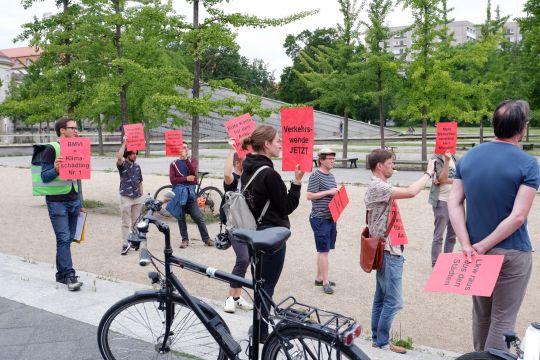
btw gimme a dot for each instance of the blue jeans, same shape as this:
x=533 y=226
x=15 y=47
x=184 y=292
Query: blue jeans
x=63 y=217
x=197 y=216
x=388 y=298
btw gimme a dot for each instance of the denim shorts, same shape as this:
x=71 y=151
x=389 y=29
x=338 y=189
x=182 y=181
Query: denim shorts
x=325 y=233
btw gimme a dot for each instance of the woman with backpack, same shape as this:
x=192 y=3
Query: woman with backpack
x=268 y=186
x=231 y=174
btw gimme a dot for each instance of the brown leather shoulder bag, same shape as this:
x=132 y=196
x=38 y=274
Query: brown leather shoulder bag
x=372 y=248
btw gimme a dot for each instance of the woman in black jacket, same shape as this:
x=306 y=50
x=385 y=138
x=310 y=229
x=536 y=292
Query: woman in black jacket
x=268 y=185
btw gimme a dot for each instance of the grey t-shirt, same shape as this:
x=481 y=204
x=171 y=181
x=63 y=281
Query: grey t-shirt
x=378 y=201
x=319 y=181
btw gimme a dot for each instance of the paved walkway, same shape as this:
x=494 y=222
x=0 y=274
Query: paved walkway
x=40 y=319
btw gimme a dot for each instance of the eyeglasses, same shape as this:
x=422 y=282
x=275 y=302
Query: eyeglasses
x=71 y=127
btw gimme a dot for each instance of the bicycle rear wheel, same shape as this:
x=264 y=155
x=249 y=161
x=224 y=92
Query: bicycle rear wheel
x=305 y=343
x=134 y=327
x=209 y=200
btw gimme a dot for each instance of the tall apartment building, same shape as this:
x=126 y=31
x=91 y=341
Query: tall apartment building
x=464 y=31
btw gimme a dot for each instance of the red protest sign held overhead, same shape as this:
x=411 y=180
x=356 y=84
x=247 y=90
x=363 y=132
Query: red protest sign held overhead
x=452 y=273
x=238 y=128
x=75 y=153
x=446 y=137
x=297 y=133
x=135 y=137
x=338 y=203
x=397 y=234
x=173 y=142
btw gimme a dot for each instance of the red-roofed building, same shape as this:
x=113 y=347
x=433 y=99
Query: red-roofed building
x=22 y=57
x=13 y=65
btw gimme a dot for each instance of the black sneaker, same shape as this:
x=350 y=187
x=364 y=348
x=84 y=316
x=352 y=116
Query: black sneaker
x=125 y=249
x=72 y=282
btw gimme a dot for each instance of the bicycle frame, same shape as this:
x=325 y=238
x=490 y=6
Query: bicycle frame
x=261 y=298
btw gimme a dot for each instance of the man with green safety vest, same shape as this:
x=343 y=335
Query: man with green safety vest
x=63 y=203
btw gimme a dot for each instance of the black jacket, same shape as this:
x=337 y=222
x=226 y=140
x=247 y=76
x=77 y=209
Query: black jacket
x=268 y=185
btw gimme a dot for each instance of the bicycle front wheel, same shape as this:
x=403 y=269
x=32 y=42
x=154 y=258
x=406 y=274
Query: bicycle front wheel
x=479 y=355
x=134 y=329
x=209 y=200
x=303 y=343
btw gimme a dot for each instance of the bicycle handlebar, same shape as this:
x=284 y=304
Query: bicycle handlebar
x=152 y=205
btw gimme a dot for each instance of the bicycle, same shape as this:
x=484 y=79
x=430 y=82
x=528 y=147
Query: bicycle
x=208 y=198
x=512 y=340
x=170 y=323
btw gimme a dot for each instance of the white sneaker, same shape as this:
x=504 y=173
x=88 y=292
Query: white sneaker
x=243 y=304
x=229 y=305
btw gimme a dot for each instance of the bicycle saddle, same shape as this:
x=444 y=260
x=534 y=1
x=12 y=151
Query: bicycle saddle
x=267 y=241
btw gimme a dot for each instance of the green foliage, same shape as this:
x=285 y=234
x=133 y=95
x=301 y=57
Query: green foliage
x=92 y=204
x=529 y=66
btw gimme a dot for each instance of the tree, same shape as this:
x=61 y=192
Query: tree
x=291 y=88
x=212 y=32
x=381 y=66
x=429 y=91
x=530 y=29
x=335 y=75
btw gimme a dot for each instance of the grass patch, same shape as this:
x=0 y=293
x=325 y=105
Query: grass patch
x=92 y=204
x=397 y=340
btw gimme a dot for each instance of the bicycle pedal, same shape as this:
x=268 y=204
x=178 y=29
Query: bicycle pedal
x=228 y=340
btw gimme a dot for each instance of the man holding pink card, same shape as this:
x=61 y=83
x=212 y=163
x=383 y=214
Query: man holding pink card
x=498 y=182
x=379 y=198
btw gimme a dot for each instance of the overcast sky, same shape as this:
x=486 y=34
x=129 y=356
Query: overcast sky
x=266 y=44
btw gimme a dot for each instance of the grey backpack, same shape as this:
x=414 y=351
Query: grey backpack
x=236 y=209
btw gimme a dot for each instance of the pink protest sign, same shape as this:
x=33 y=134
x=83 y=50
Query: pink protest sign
x=397 y=233
x=173 y=142
x=135 y=137
x=453 y=274
x=338 y=203
x=238 y=128
x=75 y=153
x=297 y=133
x=446 y=137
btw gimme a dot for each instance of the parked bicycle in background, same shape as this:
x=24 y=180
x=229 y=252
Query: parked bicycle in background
x=208 y=198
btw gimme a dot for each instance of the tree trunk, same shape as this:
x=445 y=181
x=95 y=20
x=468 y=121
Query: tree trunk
x=119 y=55
x=147 y=138
x=424 y=141
x=527 y=134
x=196 y=88
x=381 y=120
x=67 y=60
x=100 y=133
x=345 y=134
x=482 y=130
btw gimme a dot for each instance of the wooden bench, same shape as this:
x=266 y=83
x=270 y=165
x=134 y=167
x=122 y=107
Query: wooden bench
x=351 y=161
x=410 y=164
x=466 y=145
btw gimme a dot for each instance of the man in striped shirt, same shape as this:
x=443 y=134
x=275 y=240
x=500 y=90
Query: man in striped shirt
x=321 y=189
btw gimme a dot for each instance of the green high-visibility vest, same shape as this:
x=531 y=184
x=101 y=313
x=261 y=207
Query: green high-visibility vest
x=55 y=187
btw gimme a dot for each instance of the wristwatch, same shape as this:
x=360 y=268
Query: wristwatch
x=428 y=174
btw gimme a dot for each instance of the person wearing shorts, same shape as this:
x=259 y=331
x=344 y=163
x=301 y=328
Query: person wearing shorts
x=321 y=189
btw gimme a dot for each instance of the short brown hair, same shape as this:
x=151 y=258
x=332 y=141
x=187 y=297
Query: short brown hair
x=61 y=123
x=259 y=137
x=378 y=156
x=510 y=118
